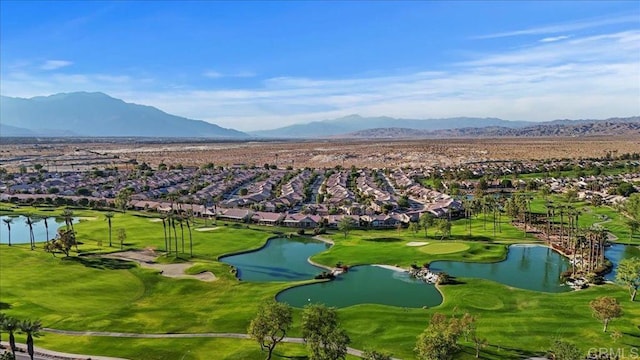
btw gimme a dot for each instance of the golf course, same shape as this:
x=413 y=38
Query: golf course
x=96 y=289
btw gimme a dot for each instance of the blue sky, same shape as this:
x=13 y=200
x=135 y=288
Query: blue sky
x=259 y=65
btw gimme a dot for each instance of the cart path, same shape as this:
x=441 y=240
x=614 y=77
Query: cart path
x=610 y=235
x=350 y=351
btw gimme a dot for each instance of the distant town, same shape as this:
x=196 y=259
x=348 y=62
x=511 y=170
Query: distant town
x=307 y=198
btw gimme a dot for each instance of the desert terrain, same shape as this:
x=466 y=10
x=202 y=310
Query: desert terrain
x=72 y=155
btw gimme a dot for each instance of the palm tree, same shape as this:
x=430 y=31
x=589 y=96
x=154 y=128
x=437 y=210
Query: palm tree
x=8 y=221
x=590 y=237
x=29 y=221
x=485 y=209
x=46 y=227
x=67 y=215
x=189 y=217
x=175 y=234
x=467 y=213
x=181 y=222
x=562 y=225
x=190 y=238
x=32 y=329
x=108 y=216
x=10 y=325
x=602 y=239
x=494 y=210
x=164 y=227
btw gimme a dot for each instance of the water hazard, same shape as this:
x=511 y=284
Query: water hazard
x=281 y=259
x=20 y=229
x=367 y=284
x=530 y=267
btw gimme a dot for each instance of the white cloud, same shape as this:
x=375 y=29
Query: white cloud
x=566 y=27
x=579 y=77
x=215 y=74
x=554 y=38
x=212 y=74
x=55 y=64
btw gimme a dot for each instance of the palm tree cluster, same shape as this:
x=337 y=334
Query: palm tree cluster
x=488 y=205
x=519 y=207
x=586 y=246
x=67 y=215
x=182 y=218
x=12 y=325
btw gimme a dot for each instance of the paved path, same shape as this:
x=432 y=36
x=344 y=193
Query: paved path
x=351 y=351
x=610 y=235
x=44 y=354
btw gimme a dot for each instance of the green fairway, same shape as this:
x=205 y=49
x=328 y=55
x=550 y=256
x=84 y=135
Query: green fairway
x=444 y=248
x=95 y=294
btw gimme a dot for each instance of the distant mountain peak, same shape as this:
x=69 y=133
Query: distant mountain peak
x=98 y=114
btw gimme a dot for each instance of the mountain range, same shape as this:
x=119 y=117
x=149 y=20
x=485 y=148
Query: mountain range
x=354 y=123
x=561 y=128
x=97 y=114
x=85 y=114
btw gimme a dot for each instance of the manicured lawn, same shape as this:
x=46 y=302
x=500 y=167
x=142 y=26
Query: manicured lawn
x=444 y=248
x=94 y=294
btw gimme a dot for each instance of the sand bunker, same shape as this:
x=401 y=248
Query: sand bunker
x=147 y=258
x=155 y=220
x=417 y=243
x=208 y=228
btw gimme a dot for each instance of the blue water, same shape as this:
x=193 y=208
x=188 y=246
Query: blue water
x=367 y=284
x=617 y=252
x=20 y=230
x=528 y=267
x=281 y=259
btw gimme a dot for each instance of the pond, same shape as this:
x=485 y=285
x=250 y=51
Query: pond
x=366 y=284
x=20 y=230
x=281 y=259
x=617 y=252
x=530 y=267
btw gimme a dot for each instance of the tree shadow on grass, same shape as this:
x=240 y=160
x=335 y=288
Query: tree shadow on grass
x=295 y=357
x=384 y=239
x=102 y=263
x=478 y=238
x=4 y=305
x=632 y=334
x=145 y=216
x=497 y=350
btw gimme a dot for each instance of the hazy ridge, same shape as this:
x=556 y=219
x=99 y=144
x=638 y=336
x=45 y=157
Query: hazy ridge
x=85 y=114
x=97 y=114
x=612 y=126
